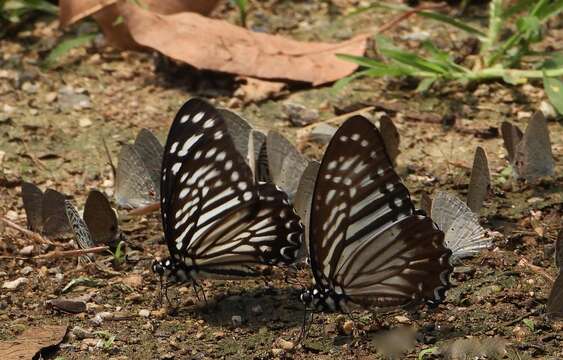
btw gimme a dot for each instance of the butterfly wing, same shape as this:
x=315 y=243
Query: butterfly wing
x=82 y=235
x=100 y=218
x=480 y=181
x=464 y=236
x=134 y=186
x=534 y=158
x=511 y=136
x=210 y=203
x=150 y=150
x=285 y=163
x=365 y=239
x=55 y=221
x=391 y=137
x=426 y=204
x=303 y=198
x=33 y=204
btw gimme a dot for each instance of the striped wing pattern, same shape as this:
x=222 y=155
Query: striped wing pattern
x=365 y=239
x=213 y=213
x=81 y=233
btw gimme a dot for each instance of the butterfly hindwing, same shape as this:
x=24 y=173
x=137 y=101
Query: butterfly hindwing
x=533 y=157
x=150 y=150
x=480 y=181
x=100 y=218
x=53 y=212
x=365 y=239
x=33 y=204
x=134 y=185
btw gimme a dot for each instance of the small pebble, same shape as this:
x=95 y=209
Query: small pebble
x=285 y=344
x=81 y=333
x=348 y=327
x=218 y=335
x=236 y=320
x=402 y=319
x=27 y=250
x=26 y=270
x=144 y=313
x=50 y=97
x=84 y=122
x=299 y=115
x=276 y=352
x=13 y=285
x=548 y=110
x=29 y=87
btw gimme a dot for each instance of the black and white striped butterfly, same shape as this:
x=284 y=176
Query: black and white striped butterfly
x=555 y=300
x=98 y=225
x=465 y=237
x=218 y=222
x=529 y=153
x=367 y=244
x=138 y=172
x=45 y=211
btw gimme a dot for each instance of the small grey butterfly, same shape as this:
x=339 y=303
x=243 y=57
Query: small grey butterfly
x=45 y=211
x=463 y=234
x=480 y=181
x=303 y=199
x=530 y=153
x=138 y=172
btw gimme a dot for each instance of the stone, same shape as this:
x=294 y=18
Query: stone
x=13 y=285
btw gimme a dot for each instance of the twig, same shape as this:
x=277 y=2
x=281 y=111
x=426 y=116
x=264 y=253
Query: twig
x=145 y=209
x=408 y=14
x=110 y=161
x=71 y=253
x=33 y=235
x=34 y=158
x=537 y=270
x=517 y=320
x=339 y=117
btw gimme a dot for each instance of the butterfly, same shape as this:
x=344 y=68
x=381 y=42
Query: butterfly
x=391 y=138
x=138 y=172
x=285 y=163
x=465 y=237
x=98 y=226
x=367 y=244
x=530 y=152
x=249 y=142
x=555 y=300
x=303 y=199
x=45 y=211
x=218 y=221
x=480 y=181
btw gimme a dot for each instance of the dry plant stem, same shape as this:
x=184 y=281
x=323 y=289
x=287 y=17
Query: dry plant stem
x=72 y=253
x=33 y=235
x=34 y=158
x=145 y=209
x=339 y=117
x=537 y=270
x=408 y=14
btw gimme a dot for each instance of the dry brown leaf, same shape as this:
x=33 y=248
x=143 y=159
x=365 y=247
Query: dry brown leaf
x=70 y=11
x=31 y=341
x=106 y=14
x=217 y=45
x=255 y=90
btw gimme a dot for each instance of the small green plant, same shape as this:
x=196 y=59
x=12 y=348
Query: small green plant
x=242 y=6
x=499 y=59
x=529 y=324
x=64 y=47
x=119 y=254
x=107 y=339
x=425 y=352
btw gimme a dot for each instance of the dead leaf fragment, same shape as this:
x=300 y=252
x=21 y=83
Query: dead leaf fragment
x=217 y=45
x=254 y=90
x=70 y=11
x=32 y=341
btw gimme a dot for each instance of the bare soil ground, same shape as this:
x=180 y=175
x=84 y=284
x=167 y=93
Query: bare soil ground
x=46 y=142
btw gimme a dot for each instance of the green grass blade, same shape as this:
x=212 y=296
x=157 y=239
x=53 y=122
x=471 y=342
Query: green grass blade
x=453 y=22
x=64 y=47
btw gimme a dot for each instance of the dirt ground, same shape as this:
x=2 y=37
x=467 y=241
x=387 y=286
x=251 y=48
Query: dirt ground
x=496 y=298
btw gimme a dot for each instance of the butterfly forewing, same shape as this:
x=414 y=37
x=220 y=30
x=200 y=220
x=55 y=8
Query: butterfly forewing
x=100 y=218
x=555 y=300
x=391 y=137
x=150 y=150
x=210 y=202
x=134 y=185
x=364 y=236
x=511 y=136
x=480 y=181
x=53 y=212
x=285 y=163
x=33 y=204
x=533 y=157
x=303 y=198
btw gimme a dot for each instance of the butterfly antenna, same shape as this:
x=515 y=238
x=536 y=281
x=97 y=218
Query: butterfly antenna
x=110 y=161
